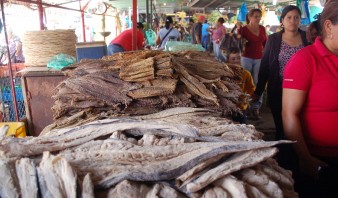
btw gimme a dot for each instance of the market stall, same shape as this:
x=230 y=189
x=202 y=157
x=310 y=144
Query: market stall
x=124 y=131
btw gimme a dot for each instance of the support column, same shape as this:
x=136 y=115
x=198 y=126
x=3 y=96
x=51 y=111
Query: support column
x=10 y=72
x=134 y=25
x=147 y=14
x=151 y=13
x=40 y=8
x=83 y=21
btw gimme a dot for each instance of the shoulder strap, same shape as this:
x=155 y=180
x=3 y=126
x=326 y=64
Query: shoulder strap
x=165 y=36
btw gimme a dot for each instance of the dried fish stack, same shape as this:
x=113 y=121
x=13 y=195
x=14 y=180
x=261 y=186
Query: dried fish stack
x=143 y=82
x=180 y=152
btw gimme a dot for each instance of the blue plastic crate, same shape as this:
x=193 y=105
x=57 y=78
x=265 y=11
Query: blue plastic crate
x=6 y=95
x=91 y=50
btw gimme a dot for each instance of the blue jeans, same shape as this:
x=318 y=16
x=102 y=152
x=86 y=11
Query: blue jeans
x=113 y=48
x=218 y=52
x=253 y=65
x=205 y=41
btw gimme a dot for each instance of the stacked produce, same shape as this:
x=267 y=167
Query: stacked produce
x=144 y=82
x=180 y=152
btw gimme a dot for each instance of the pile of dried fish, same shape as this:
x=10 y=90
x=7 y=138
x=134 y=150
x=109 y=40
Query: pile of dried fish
x=144 y=82
x=180 y=152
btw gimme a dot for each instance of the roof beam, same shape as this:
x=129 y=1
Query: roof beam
x=193 y=3
x=211 y=2
x=48 y=5
x=223 y=4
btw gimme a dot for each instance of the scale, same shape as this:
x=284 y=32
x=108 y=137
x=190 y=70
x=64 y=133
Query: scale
x=100 y=8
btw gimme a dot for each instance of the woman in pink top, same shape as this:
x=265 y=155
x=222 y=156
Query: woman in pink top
x=255 y=35
x=217 y=36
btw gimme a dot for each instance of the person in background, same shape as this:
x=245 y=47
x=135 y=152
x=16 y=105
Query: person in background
x=313 y=31
x=267 y=29
x=124 y=41
x=190 y=24
x=255 y=36
x=205 y=34
x=196 y=30
x=310 y=108
x=217 y=36
x=15 y=47
x=278 y=29
x=237 y=28
x=246 y=83
x=280 y=47
x=167 y=33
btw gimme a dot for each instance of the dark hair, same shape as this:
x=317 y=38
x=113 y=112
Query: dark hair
x=310 y=34
x=330 y=12
x=233 y=50
x=168 y=20
x=140 y=25
x=251 y=13
x=221 y=20
x=287 y=9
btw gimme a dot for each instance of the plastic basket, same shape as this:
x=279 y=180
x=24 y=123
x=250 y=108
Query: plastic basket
x=16 y=129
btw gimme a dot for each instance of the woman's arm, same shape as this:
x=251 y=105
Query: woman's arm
x=293 y=102
x=264 y=69
x=179 y=37
x=158 y=39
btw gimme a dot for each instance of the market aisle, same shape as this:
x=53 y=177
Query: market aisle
x=265 y=124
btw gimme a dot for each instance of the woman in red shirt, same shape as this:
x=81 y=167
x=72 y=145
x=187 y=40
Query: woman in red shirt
x=255 y=35
x=310 y=107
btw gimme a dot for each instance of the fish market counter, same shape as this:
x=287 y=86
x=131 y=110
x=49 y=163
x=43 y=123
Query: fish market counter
x=38 y=84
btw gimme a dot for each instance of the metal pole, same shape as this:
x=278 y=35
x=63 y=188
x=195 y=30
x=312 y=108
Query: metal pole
x=147 y=14
x=151 y=13
x=40 y=8
x=134 y=25
x=9 y=62
x=83 y=22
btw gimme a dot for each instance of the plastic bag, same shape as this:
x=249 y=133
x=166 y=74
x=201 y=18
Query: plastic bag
x=243 y=11
x=176 y=46
x=60 y=61
x=151 y=37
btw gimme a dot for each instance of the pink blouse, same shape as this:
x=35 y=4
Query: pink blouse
x=218 y=33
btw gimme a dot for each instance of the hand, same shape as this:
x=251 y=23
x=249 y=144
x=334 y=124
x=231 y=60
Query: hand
x=254 y=98
x=311 y=166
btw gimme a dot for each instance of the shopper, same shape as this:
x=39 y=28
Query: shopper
x=196 y=30
x=246 y=83
x=218 y=35
x=167 y=33
x=255 y=36
x=310 y=108
x=15 y=47
x=280 y=47
x=205 y=34
x=124 y=41
x=267 y=29
x=313 y=31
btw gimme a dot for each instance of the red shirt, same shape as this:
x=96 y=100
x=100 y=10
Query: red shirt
x=125 y=39
x=314 y=69
x=254 y=46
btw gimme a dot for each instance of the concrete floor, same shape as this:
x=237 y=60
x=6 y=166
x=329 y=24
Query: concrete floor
x=265 y=124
